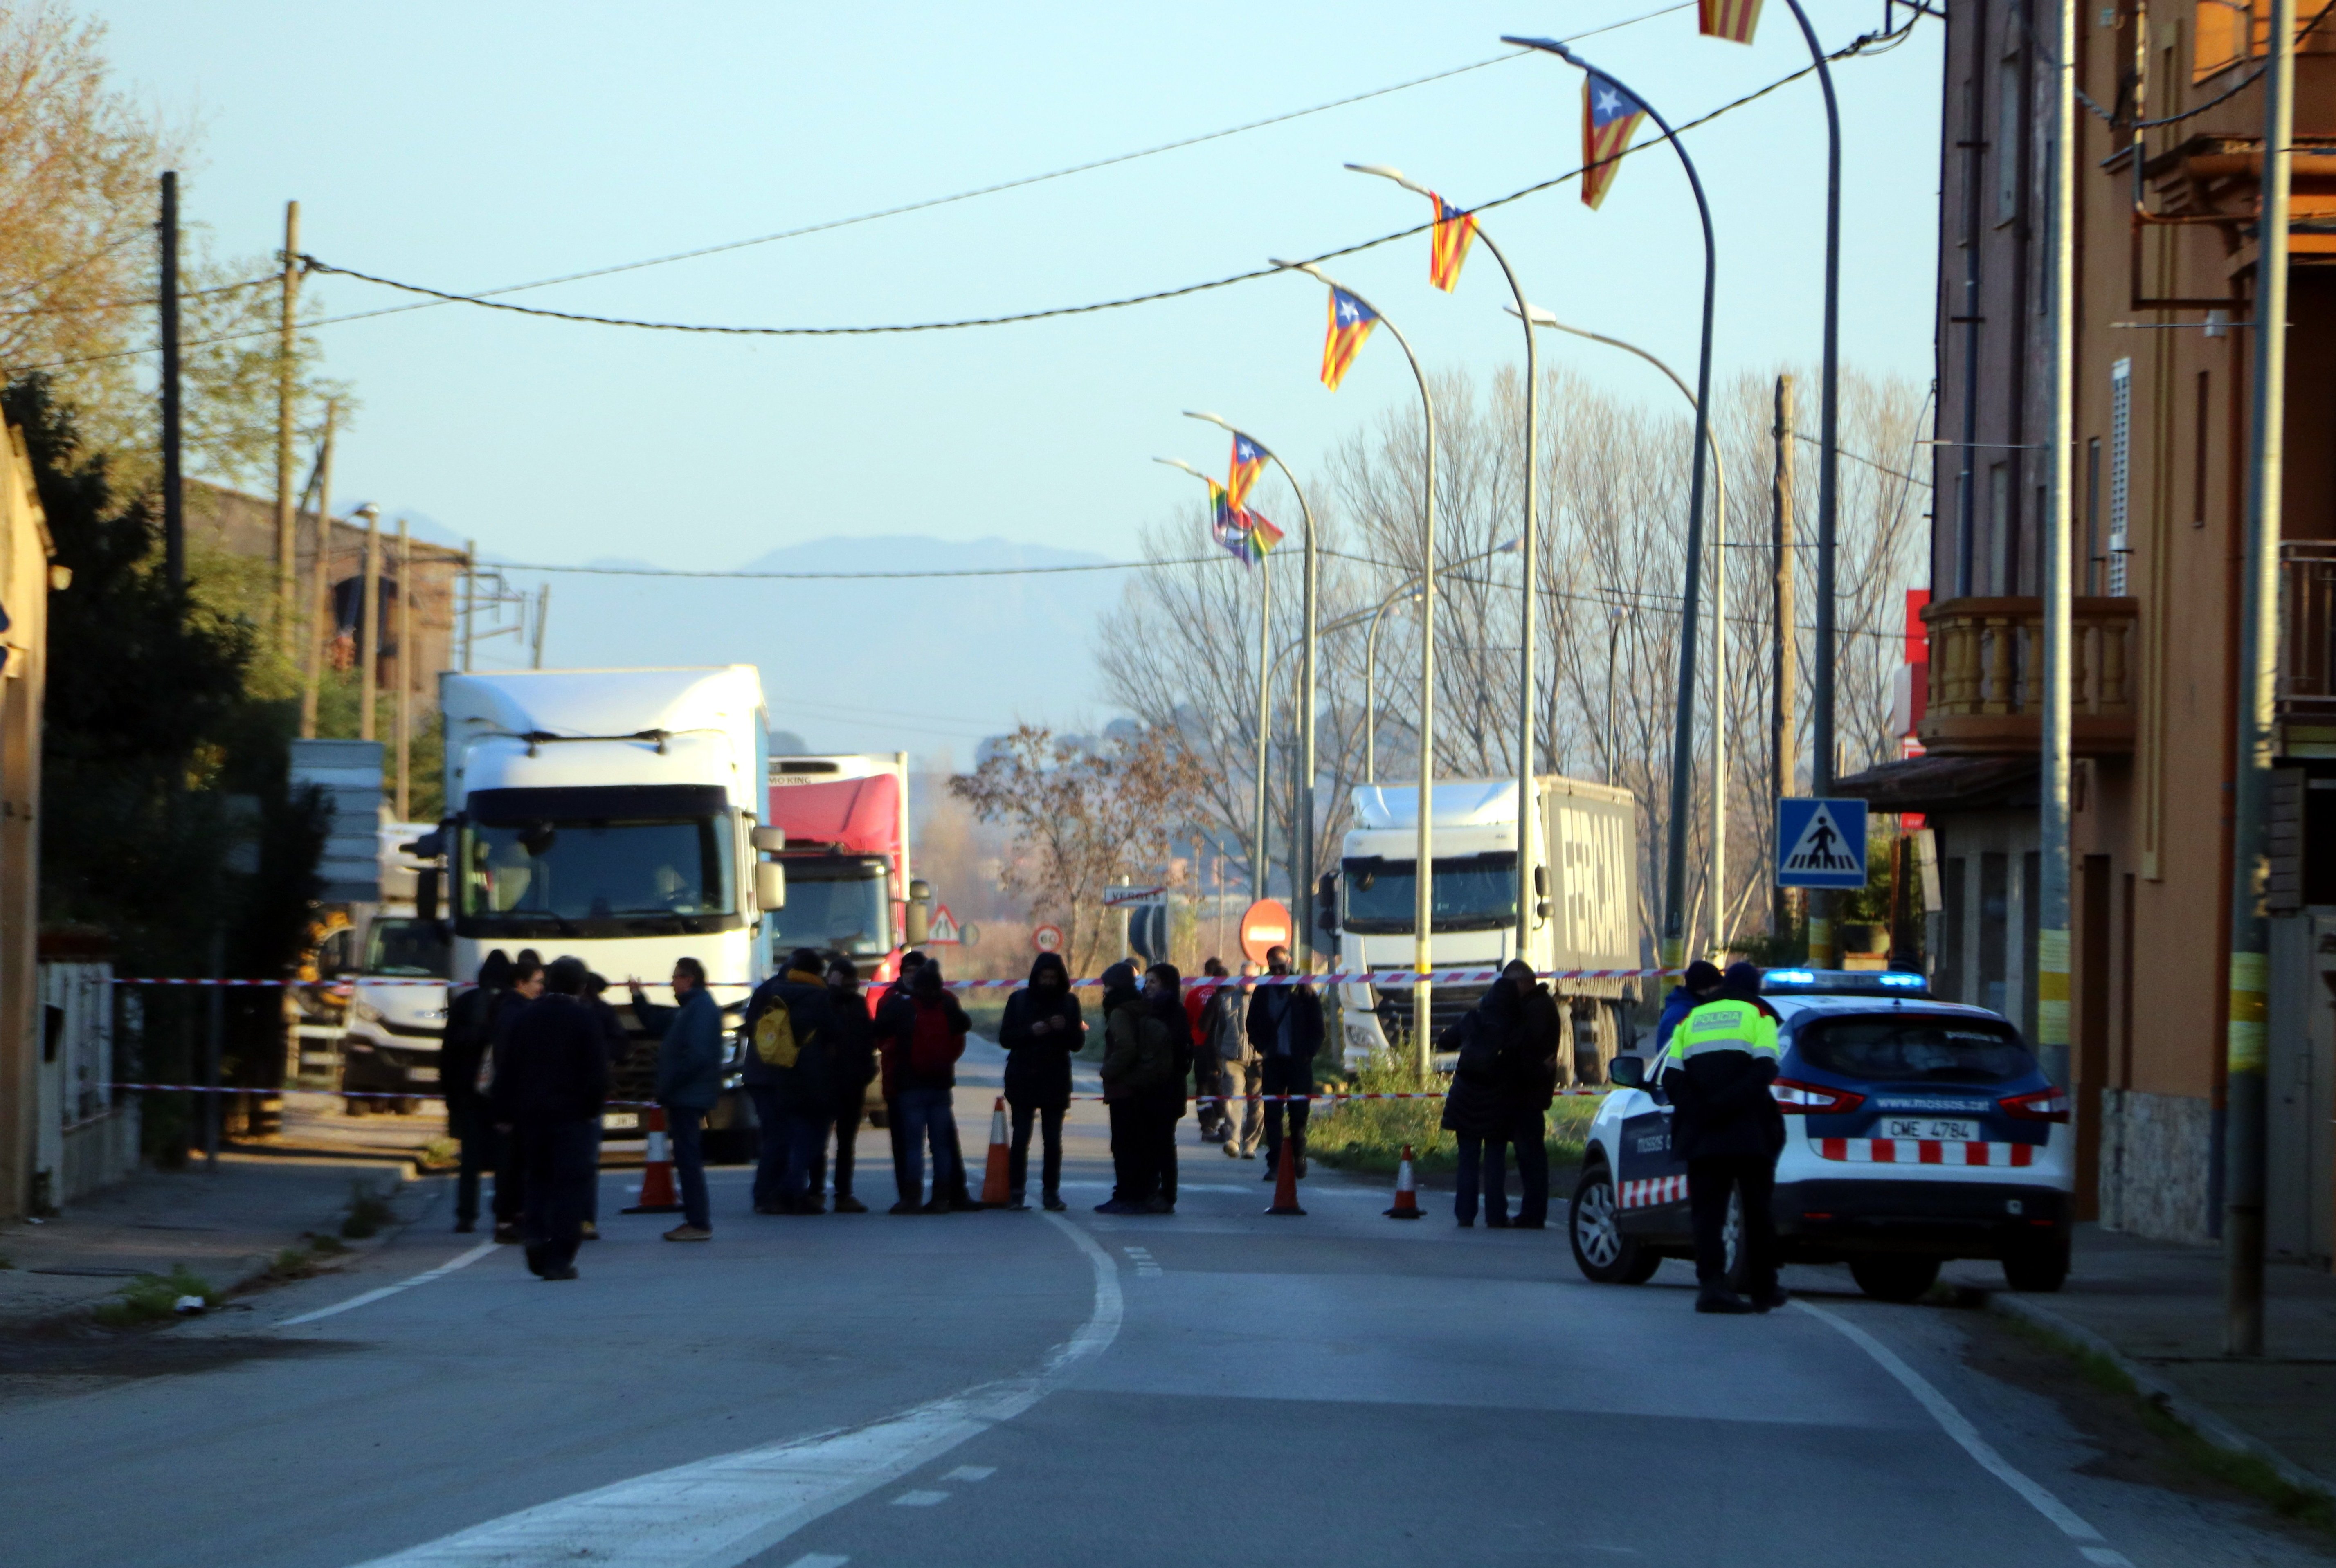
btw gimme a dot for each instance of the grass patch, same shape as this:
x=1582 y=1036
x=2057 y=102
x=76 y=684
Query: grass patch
x=368 y=1211
x=1368 y=1136
x=149 y=1298
x=439 y=1154
x=300 y=1261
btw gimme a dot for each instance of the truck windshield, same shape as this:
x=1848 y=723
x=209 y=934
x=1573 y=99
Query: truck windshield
x=399 y=945
x=608 y=877
x=840 y=906
x=1472 y=894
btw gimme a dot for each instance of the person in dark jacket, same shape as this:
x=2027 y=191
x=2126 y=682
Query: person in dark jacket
x=1162 y=991
x=620 y=1047
x=851 y=1064
x=1697 y=987
x=511 y=1173
x=1225 y=1020
x=1285 y=1024
x=459 y=1058
x=1127 y=1044
x=1480 y=1109
x=688 y=1082
x=1041 y=1031
x=551 y=1079
x=1535 y=1074
x=791 y=1095
x=1725 y=1125
x=931 y=1038
x=1208 y=1062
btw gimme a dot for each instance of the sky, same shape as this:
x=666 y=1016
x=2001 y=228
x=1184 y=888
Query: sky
x=472 y=147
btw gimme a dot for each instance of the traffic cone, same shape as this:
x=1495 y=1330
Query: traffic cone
x=1285 y=1179
x=993 y=1180
x=1406 y=1191
x=657 y=1194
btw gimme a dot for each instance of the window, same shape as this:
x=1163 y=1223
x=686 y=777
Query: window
x=2198 y=455
x=1472 y=894
x=2007 y=140
x=2120 y=471
x=1999 y=517
x=1913 y=1049
x=2093 y=516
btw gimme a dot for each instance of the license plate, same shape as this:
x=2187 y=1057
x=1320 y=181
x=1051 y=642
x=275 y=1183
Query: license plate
x=620 y=1121
x=1929 y=1129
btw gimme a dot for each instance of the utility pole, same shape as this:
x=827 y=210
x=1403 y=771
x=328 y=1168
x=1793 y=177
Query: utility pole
x=405 y=671
x=2244 y=1041
x=174 y=499
x=319 y=582
x=288 y=526
x=470 y=596
x=1718 y=710
x=542 y=614
x=1260 y=861
x=2053 y=723
x=369 y=626
x=1784 y=727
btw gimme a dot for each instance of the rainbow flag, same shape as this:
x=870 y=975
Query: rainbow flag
x=1227 y=522
x=1448 y=246
x=1262 y=535
x=1734 y=20
x=1248 y=462
x=1610 y=116
x=1350 y=322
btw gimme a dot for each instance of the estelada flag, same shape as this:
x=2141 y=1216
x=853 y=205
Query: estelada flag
x=1455 y=231
x=1350 y=322
x=1248 y=462
x=1609 y=117
x=1734 y=20
x=1262 y=535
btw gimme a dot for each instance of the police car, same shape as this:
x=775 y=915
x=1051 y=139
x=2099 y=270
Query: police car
x=1915 y=1130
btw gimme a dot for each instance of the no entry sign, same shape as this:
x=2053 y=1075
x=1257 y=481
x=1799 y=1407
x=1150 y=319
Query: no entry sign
x=1264 y=924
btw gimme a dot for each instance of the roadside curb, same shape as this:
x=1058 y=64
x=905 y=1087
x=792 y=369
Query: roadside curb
x=2200 y=1420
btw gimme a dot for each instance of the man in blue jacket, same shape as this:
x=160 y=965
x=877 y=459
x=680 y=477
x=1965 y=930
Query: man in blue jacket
x=1698 y=986
x=688 y=1082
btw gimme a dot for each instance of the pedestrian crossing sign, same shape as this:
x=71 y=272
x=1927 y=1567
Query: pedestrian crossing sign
x=1820 y=843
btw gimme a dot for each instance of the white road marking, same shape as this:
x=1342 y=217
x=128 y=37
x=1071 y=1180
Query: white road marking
x=463 y=1260
x=919 y=1499
x=819 y=1560
x=1956 y=1425
x=971 y=1473
x=720 y=1512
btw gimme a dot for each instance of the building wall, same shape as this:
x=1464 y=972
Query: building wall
x=24 y=586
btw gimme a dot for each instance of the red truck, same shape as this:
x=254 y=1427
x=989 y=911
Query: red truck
x=848 y=889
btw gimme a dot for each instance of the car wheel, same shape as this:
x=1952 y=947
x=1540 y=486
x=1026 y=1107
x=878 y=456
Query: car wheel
x=1895 y=1276
x=1600 y=1249
x=2037 y=1265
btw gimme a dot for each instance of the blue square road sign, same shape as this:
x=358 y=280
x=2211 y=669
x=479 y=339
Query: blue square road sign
x=1820 y=843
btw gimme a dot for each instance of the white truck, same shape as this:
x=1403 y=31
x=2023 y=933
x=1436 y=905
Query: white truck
x=397 y=1020
x=616 y=815
x=1582 y=841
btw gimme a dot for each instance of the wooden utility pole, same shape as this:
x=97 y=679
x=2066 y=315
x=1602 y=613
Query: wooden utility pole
x=404 y=670
x=287 y=524
x=369 y=628
x=174 y=499
x=1784 y=721
x=319 y=582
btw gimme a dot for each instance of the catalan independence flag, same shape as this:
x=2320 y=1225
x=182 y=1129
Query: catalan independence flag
x=1609 y=117
x=1455 y=231
x=1248 y=462
x=1734 y=20
x=1350 y=322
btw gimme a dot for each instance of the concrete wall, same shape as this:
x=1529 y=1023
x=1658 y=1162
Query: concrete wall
x=24 y=553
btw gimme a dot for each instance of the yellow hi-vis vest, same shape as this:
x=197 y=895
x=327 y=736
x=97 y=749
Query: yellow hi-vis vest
x=1724 y=1024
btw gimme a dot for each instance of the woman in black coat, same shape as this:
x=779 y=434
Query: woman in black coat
x=851 y=1063
x=1480 y=1110
x=1041 y=1031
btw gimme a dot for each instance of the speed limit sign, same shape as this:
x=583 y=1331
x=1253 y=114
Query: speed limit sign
x=1048 y=940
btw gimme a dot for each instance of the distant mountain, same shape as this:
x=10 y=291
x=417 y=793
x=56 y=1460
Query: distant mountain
x=912 y=664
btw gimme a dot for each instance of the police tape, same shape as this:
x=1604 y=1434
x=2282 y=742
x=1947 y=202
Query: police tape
x=1384 y=978
x=1339 y=1097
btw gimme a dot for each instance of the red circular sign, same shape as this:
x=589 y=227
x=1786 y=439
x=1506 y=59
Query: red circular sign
x=1264 y=924
x=1048 y=940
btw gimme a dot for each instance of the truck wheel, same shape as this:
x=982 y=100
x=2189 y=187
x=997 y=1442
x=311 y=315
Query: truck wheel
x=1895 y=1276
x=1601 y=1250
x=2037 y=1265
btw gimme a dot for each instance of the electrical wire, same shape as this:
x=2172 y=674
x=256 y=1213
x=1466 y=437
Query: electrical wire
x=846 y=576
x=140 y=304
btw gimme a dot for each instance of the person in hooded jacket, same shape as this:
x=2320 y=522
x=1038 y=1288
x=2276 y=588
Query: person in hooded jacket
x=1040 y=1031
x=502 y=1014
x=1139 y=1070
x=1535 y=1073
x=922 y=1059
x=551 y=1079
x=1697 y=987
x=1163 y=989
x=1480 y=1109
x=791 y=1098
x=1725 y=1125
x=465 y=1047
x=851 y=1064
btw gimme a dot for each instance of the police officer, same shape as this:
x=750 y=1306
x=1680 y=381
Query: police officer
x=1725 y=1125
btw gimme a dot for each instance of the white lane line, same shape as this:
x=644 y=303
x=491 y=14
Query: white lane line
x=463 y=1260
x=721 y=1511
x=819 y=1560
x=971 y=1473
x=1956 y=1425
x=919 y=1499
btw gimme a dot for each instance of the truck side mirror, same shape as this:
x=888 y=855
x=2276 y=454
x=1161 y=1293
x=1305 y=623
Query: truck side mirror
x=425 y=893
x=920 y=923
x=770 y=841
x=920 y=891
x=1627 y=1072
x=770 y=885
x=1541 y=885
x=1325 y=903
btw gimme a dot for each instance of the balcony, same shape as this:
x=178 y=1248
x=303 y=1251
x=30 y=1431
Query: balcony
x=1986 y=656
x=2306 y=690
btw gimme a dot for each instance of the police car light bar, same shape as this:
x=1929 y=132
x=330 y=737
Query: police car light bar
x=1845 y=982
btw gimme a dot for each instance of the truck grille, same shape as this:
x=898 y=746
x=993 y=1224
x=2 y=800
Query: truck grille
x=1446 y=1005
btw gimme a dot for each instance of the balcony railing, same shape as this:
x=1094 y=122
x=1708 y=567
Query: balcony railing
x=2307 y=630
x=1986 y=660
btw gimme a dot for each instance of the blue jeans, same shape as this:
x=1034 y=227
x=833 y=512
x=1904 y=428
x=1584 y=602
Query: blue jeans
x=1483 y=1156
x=770 y=1146
x=686 y=1129
x=927 y=1116
x=805 y=1135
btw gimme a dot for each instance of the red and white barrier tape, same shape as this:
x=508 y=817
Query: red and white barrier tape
x=1385 y=979
x=644 y=1105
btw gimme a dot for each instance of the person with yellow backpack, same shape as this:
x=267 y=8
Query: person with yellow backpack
x=789 y=1021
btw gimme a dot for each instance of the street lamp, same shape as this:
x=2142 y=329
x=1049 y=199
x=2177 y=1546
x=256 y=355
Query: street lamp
x=1257 y=864
x=1683 y=736
x=1540 y=317
x=1409 y=590
x=1423 y=881
x=1300 y=896
x=1529 y=535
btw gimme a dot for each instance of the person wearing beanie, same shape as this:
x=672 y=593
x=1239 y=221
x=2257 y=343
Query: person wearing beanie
x=1725 y=1125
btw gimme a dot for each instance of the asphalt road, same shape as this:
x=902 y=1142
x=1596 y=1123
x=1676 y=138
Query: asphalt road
x=1018 y=1388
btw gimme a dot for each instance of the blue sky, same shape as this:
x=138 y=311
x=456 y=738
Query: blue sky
x=472 y=146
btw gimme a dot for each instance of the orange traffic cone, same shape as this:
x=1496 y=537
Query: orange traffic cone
x=1406 y=1191
x=1285 y=1179
x=993 y=1180
x=657 y=1194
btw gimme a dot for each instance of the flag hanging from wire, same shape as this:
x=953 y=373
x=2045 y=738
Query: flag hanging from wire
x=1262 y=535
x=1448 y=246
x=1350 y=322
x=1247 y=463
x=1734 y=20
x=1609 y=117
x=1227 y=522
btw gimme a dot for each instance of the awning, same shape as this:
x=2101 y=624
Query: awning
x=1946 y=783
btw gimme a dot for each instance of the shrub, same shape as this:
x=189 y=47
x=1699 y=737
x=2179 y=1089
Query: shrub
x=1369 y=1135
x=149 y=1298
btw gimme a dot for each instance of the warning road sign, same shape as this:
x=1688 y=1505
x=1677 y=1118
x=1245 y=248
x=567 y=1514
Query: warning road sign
x=1820 y=843
x=943 y=931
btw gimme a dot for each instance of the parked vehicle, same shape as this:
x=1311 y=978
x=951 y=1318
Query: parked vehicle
x=390 y=1042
